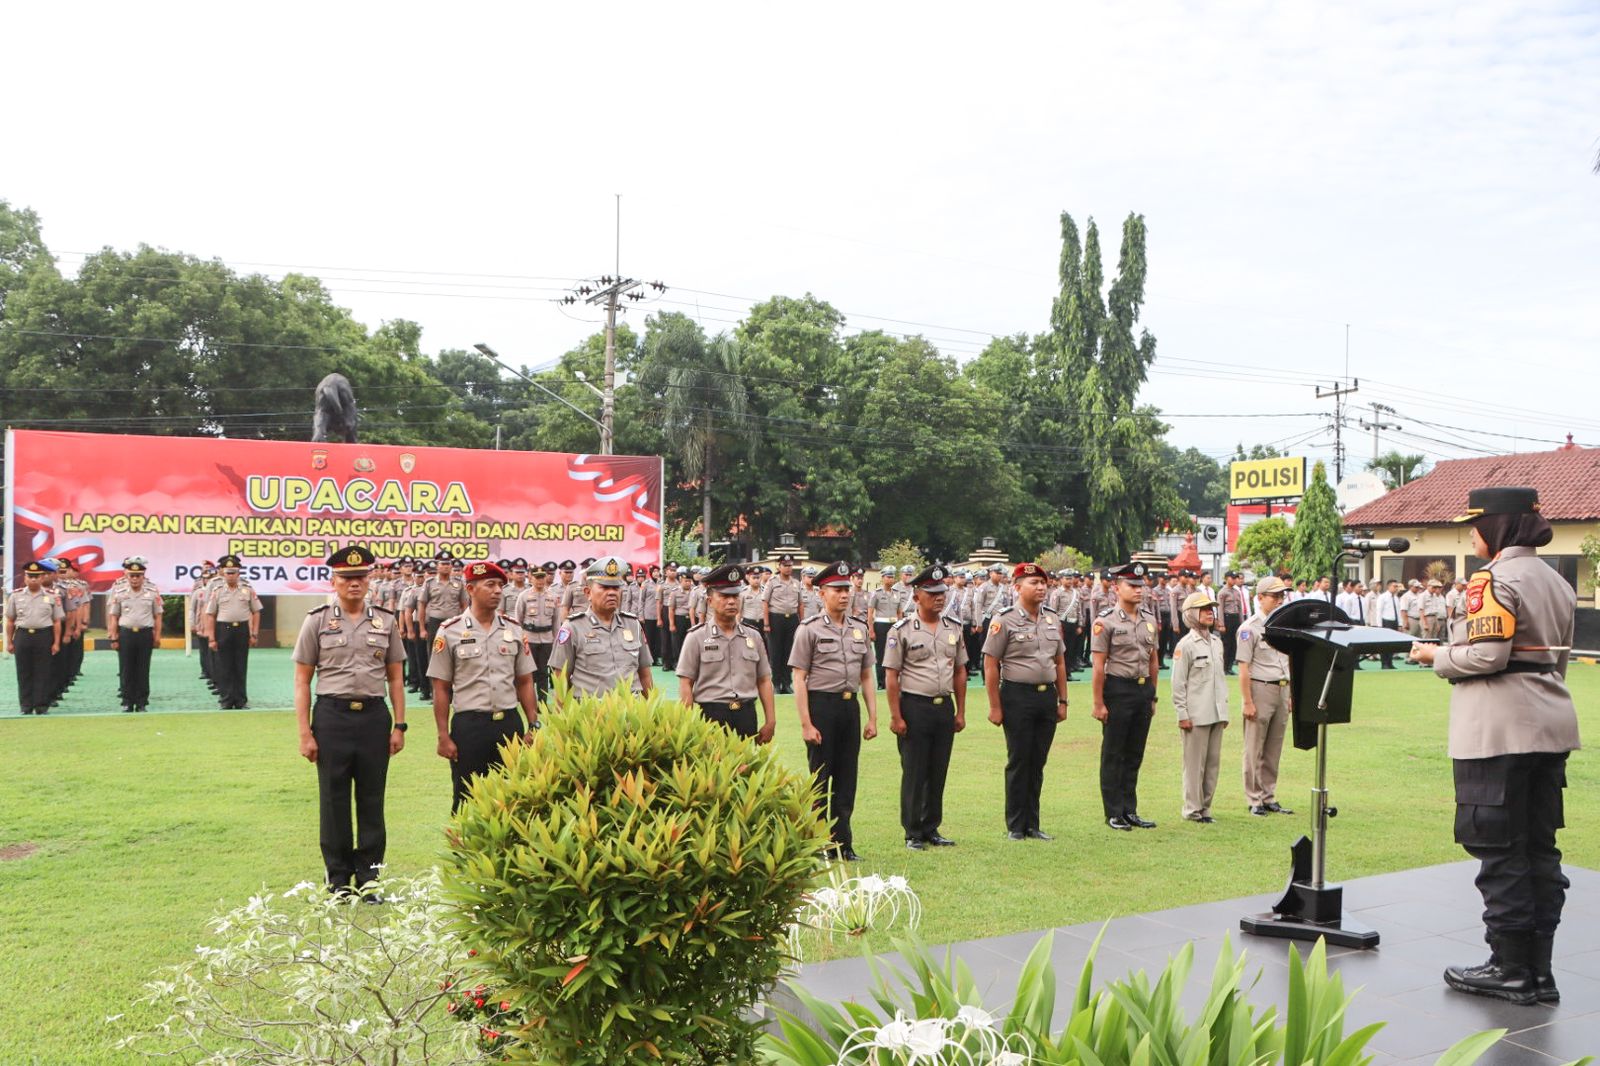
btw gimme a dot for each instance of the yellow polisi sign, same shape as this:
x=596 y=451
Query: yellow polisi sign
x=1267 y=479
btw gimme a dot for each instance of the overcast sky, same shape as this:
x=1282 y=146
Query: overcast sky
x=1420 y=172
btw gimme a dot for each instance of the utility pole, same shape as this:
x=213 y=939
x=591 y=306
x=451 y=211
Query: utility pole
x=1378 y=411
x=1338 y=392
x=610 y=290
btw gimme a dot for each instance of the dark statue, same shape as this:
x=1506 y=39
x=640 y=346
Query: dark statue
x=335 y=417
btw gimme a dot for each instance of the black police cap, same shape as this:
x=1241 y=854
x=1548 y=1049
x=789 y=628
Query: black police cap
x=352 y=561
x=1500 y=499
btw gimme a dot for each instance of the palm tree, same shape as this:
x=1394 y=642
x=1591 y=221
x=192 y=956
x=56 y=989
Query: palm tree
x=703 y=402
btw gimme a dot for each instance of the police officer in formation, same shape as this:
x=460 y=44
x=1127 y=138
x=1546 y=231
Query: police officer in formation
x=782 y=610
x=233 y=613
x=1025 y=675
x=133 y=617
x=723 y=668
x=601 y=645
x=1123 y=642
x=482 y=670
x=925 y=670
x=885 y=608
x=1512 y=725
x=34 y=620
x=351 y=649
x=677 y=611
x=650 y=611
x=832 y=660
x=536 y=612
x=442 y=596
x=1268 y=701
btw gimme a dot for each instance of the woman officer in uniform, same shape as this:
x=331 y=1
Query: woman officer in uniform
x=1512 y=723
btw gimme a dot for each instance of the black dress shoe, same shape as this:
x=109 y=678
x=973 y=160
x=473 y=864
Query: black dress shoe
x=1259 y=811
x=849 y=855
x=127 y=710
x=941 y=841
x=916 y=844
x=1275 y=809
x=1014 y=835
x=1038 y=834
x=1118 y=823
x=1506 y=975
x=1137 y=822
x=1205 y=819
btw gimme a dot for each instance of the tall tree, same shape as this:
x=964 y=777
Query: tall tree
x=1201 y=481
x=1317 y=529
x=1265 y=546
x=1397 y=469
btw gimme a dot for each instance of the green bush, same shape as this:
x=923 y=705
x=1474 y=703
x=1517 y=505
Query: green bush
x=629 y=879
x=933 y=1015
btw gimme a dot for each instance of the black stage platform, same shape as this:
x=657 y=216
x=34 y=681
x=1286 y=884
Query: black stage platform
x=1428 y=918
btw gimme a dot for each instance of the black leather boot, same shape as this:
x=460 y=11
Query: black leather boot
x=1507 y=975
x=1544 y=982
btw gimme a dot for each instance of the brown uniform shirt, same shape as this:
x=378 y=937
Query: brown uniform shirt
x=34 y=610
x=1026 y=648
x=1127 y=640
x=678 y=600
x=857 y=606
x=883 y=605
x=442 y=599
x=136 y=610
x=1199 y=686
x=750 y=605
x=480 y=664
x=538 y=609
x=833 y=656
x=351 y=658
x=235 y=604
x=1266 y=663
x=597 y=656
x=926 y=656
x=1516 y=605
x=723 y=667
x=782 y=597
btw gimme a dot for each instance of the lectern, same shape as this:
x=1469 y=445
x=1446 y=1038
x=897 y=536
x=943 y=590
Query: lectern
x=1323 y=646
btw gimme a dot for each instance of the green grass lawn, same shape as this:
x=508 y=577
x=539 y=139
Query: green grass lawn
x=140 y=827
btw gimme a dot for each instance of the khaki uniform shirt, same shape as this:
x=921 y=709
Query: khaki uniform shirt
x=1199 y=685
x=782 y=597
x=351 y=658
x=926 y=656
x=723 y=668
x=235 y=604
x=810 y=601
x=573 y=597
x=883 y=605
x=697 y=603
x=408 y=603
x=1515 y=605
x=480 y=664
x=34 y=610
x=678 y=601
x=442 y=599
x=538 y=610
x=1026 y=648
x=833 y=656
x=857 y=605
x=750 y=605
x=1266 y=663
x=650 y=600
x=136 y=610
x=597 y=656
x=1127 y=640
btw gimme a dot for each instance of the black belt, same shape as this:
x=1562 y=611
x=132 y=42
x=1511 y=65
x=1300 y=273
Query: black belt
x=1515 y=666
x=783 y=614
x=531 y=628
x=1264 y=681
x=1128 y=680
x=350 y=703
x=843 y=697
x=233 y=625
x=493 y=715
x=135 y=629
x=937 y=701
x=726 y=706
x=1027 y=686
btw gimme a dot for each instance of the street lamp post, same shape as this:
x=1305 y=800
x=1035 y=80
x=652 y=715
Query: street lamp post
x=490 y=354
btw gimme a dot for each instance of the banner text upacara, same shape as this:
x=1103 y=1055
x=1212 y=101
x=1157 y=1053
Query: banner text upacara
x=357 y=496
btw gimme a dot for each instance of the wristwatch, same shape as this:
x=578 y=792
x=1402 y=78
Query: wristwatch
x=1061 y=700
x=400 y=727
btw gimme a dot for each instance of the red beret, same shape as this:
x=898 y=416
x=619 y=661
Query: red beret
x=482 y=570
x=1028 y=570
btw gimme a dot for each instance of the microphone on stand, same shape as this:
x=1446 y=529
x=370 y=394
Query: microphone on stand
x=1368 y=544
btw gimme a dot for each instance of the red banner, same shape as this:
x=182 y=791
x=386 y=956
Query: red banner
x=284 y=507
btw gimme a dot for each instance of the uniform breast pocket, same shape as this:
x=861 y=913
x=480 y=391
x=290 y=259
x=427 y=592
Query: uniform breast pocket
x=1199 y=663
x=749 y=653
x=377 y=642
x=334 y=640
x=919 y=653
x=469 y=651
x=856 y=653
x=507 y=648
x=712 y=653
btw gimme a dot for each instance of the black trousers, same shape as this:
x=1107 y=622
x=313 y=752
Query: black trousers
x=651 y=635
x=416 y=663
x=681 y=627
x=541 y=670
x=880 y=640
x=836 y=760
x=33 y=668
x=1129 y=706
x=352 y=757
x=780 y=642
x=1029 y=721
x=203 y=647
x=58 y=671
x=1167 y=639
x=231 y=663
x=73 y=649
x=1508 y=809
x=1230 y=639
x=133 y=664
x=740 y=719
x=973 y=635
x=478 y=736
x=924 y=761
x=1388 y=656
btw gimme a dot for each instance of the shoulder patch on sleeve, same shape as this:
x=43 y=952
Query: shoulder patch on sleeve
x=1244 y=634
x=438 y=644
x=1487 y=618
x=1099 y=627
x=563 y=634
x=995 y=626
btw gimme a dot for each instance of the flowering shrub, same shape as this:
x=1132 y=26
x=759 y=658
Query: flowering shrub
x=855 y=906
x=628 y=878
x=971 y=1038
x=480 y=1007
x=305 y=977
